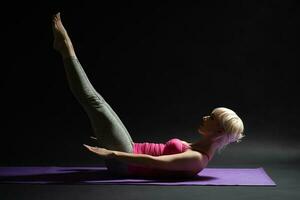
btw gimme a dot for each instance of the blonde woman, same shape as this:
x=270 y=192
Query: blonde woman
x=122 y=156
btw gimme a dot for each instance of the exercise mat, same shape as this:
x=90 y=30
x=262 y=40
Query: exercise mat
x=100 y=175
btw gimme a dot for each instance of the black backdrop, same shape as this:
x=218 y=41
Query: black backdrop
x=160 y=66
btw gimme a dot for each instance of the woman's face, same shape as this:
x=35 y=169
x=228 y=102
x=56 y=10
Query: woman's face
x=209 y=126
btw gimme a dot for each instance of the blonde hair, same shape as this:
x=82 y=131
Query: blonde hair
x=232 y=125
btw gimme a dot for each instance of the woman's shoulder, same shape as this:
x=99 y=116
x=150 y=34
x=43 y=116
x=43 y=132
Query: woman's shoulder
x=204 y=159
x=200 y=160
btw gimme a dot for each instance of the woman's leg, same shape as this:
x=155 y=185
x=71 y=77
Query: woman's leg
x=108 y=128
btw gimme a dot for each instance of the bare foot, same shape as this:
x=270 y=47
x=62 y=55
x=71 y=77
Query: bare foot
x=62 y=42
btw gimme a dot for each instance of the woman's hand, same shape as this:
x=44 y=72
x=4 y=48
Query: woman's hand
x=104 y=153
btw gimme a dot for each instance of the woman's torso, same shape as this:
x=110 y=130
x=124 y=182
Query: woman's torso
x=172 y=146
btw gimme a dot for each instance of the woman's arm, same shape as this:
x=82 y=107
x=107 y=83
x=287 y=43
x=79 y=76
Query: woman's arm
x=189 y=161
x=186 y=161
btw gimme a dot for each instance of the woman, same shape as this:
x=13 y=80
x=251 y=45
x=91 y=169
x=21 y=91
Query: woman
x=175 y=158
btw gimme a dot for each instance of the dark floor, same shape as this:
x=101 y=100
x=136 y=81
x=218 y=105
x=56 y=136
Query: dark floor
x=281 y=162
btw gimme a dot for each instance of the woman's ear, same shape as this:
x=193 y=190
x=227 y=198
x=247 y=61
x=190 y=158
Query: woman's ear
x=220 y=131
x=219 y=138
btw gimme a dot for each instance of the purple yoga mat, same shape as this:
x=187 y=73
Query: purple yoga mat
x=100 y=175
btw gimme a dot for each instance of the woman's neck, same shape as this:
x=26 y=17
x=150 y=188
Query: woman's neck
x=206 y=145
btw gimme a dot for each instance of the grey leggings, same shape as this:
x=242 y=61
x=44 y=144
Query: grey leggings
x=107 y=127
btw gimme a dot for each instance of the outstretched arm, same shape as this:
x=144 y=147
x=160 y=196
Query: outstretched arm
x=188 y=161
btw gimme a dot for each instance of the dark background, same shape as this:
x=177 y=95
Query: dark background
x=161 y=67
